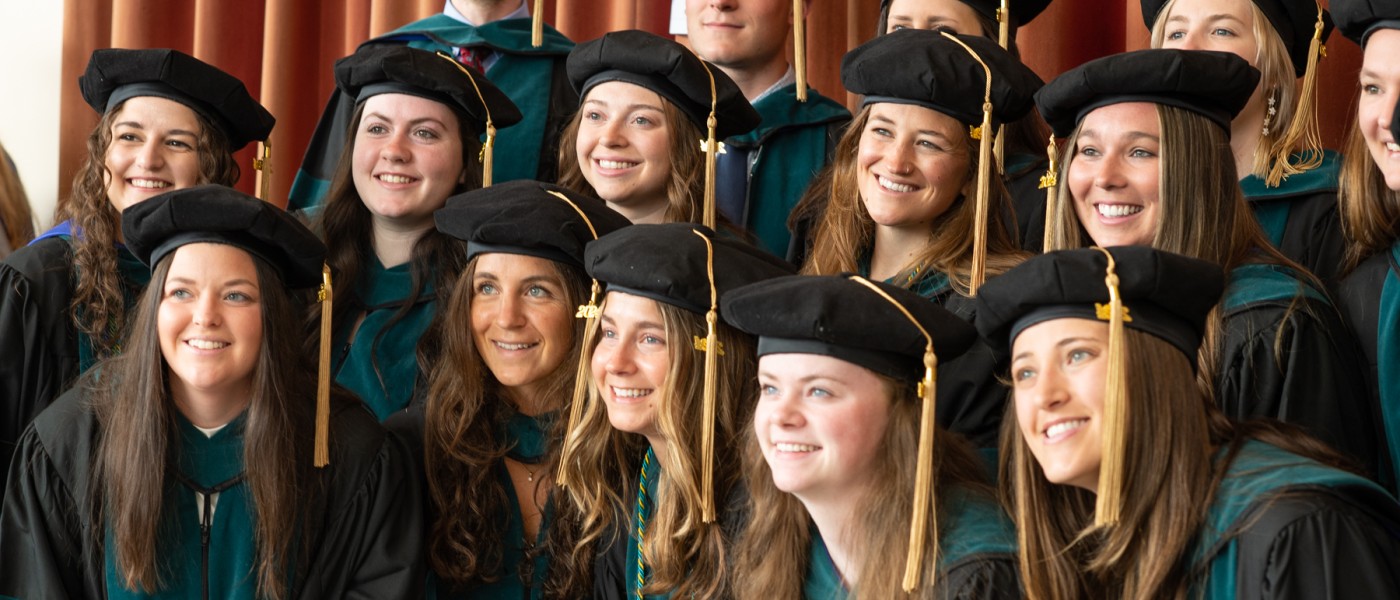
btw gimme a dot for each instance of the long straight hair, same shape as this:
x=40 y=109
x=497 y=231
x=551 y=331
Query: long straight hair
x=772 y=556
x=99 y=306
x=846 y=232
x=14 y=205
x=685 y=556
x=1370 y=209
x=138 y=451
x=347 y=227
x=463 y=452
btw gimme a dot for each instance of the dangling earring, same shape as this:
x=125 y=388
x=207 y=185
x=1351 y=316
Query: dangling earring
x=1273 y=110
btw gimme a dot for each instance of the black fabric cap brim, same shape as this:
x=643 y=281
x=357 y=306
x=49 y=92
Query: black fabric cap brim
x=660 y=85
x=236 y=239
x=890 y=364
x=1146 y=318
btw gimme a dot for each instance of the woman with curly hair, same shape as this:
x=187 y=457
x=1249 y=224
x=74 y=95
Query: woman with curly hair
x=413 y=141
x=169 y=121
x=489 y=431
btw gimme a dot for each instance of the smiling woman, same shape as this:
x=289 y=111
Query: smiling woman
x=192 y=452
x=168 y=121
x=418 y=118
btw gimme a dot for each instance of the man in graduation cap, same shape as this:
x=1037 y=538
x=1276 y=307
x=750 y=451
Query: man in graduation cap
x=524 y=58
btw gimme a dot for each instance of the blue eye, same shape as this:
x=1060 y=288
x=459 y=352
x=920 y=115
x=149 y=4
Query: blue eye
x=486 y=289
x=1078 y=356
x=820 y=393
x=238 y=297
x=769 y=390
x=536 y=291
x=1142 y=153
x=1022 y=374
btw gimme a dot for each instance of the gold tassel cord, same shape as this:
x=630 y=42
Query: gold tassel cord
x=487 y=150
x=321 y=453
x=711 y=147
x=537 y=25
x=261 y=166
x=1050 y=183
x=799 y=49
x=1303 y=133
x=924 y=499
x=1004 y=25
x=588 y=312
x=1112 y=470
x=984 y=167
x=707 y=423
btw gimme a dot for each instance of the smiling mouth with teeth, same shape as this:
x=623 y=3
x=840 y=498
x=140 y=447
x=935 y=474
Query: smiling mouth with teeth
x=790 y=447
x=894 y=187
x=1117 y=210
x=387 y=178
x=614 y=164
x=521 y=346
x=630 y=392
x=206 y=344
x=1064 y=427
x=150 y=184
x=1392 y=147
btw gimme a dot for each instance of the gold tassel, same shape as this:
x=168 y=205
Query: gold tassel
x=1303 y=133
x=707 y=423
x=261 y=166
x=1112 y=471
x=322 y=452
x=799 y=49
x=1004 y=25
x=999 y=150
x=588 y=312
x=487 y=150
x=712 y=148
x=924 y=501
x=537 y=25
x=1050 y=183
x=984 y=168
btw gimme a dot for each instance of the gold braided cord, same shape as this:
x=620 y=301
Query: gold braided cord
x=711 y=149
x=321 y=454
x=925 y=501
x=707 y=424
x=487 y=149
x=799 y=49
x=537 y=25
x=262 y=165
x=588 y=312
x=984 y=168
x=1004 y=25
x=1303 y=133
x=1050 y=183
x=1112 y=470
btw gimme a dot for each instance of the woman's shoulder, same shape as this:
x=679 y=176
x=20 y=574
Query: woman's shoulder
x=45 y=262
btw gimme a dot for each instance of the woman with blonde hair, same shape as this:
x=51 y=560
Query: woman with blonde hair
x=652 y=453
x=860 y=493
x=1288 y=179
x=413 y=141
x=169 y=121
x=1123 y=478
x=638 y=138
x=199 y=462
x=1146 y=164
x=914 y=201
x=1370 y=205
x=489 y=430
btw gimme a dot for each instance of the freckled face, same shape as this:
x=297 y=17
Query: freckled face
x=912 y=164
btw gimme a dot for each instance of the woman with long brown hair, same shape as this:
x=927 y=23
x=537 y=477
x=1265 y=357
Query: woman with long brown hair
x=169 y=121
x=652 y=453
x=1147 y=163
x=846 y=471
x=1370 y=206
x=16 y=220
x=199 y=463
x=1289 y=181
x=490 y=429
x=636 y=141
x=914 y=200
x=1123 y=478
x=413 y=142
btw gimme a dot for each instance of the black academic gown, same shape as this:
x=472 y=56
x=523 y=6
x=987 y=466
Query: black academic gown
x=1317 y=380
x=365 y=540
x=1369 y=299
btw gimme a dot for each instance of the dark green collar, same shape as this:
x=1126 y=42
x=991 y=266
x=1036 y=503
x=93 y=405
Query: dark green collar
x=781 y=110
x=1322 y=179
x=527 y=437
x=510 y=36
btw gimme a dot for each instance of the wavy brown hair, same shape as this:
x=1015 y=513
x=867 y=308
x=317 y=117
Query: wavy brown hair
x=1370 y=209
x=685 y=188
x=1171 y=479
x=98 y=306
x=772 y=556
x=846 y=232
x=347 y=227
x=685 y=556
x=14 y=205
x=464 y=454
x=131 y=399
x=1203 y=215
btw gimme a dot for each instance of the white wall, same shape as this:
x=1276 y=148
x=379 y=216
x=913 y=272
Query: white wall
x=32 y=47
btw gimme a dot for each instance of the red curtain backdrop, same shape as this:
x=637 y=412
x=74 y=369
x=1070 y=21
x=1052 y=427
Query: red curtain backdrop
x=283 y=50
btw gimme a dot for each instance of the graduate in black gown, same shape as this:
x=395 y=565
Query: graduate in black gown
x=668 y=378
x=848 y=497
x=1147 y=163
x=1126 y=482
x=200 y=463
x=490 y=431
x=915 y=198
x=413 y=141
x=1369 y=296
x=169 y=121
x=1289 y=180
